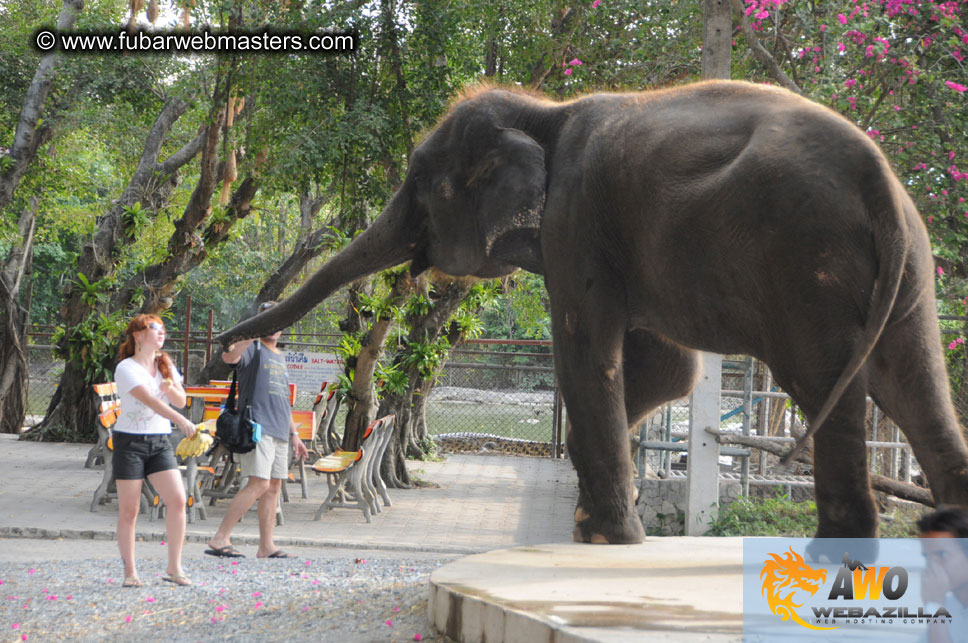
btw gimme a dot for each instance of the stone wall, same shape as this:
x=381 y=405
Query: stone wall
x=662 y=504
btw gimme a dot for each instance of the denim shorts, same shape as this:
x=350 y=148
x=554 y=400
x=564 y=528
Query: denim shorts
x=138 y=456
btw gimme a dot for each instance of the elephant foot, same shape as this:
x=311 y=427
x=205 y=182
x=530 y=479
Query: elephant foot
x=625 y=530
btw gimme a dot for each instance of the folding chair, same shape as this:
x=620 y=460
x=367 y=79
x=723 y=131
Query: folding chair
x=373 y=478
x=345 y=475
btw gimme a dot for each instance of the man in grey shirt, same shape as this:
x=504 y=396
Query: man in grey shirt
x=262 y=377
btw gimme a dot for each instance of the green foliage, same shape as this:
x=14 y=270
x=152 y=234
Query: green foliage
x=349 y=346
x=379 y=307
x=767 y=517
x=427 y=357
x=391 y=380
x=92 y=345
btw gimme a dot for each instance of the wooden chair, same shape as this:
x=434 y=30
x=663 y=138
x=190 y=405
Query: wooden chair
x=345 y=475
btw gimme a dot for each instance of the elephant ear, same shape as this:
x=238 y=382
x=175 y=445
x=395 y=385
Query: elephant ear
x=510 y=182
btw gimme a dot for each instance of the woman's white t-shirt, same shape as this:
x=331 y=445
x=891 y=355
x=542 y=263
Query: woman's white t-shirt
x=135 y=417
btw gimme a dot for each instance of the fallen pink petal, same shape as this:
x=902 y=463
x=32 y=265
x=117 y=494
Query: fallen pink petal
x=396 y=608
x=127 y=619
x=417 y=637
x=15 y=626
x=149 y=600
x=256 y=594
x=257 y=605
x=389 y=623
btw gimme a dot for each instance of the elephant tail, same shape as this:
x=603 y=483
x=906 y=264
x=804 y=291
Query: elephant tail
x=886 y=203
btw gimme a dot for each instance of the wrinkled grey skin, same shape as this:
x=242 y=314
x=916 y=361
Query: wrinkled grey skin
x=723 y=217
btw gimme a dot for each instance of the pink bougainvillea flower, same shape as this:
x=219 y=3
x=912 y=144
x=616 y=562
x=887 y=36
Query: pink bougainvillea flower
x=389 y=623
x=417 y=637
x=214 y=620
x=940 y=271
x=257 y=605
x=850 y=82
x=596 y=3
x=955 y=86
x=763 y=15
x=842 y=18
x=574 y=62
x=23 y=637
x=163 y=543
x=568 y=72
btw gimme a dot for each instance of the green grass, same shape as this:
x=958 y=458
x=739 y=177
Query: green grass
x=507 y=420
x=779 y=517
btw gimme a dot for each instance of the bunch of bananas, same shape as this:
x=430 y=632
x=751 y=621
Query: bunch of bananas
x=197 y=445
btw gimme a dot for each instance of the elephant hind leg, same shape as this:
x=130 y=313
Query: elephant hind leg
x=845 y=504
x=910 y=383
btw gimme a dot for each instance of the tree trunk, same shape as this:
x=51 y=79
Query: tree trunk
x=410 y=407
x=717 y=40
x=28 y=138
x=13 y=324
x=361 y=400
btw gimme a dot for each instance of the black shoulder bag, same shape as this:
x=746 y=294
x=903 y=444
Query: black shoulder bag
x=234 y=427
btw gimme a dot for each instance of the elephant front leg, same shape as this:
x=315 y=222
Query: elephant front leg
x=588 y=337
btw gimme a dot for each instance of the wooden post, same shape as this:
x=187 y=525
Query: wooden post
x=208 y=336
x=188 y=334
x=702 y=501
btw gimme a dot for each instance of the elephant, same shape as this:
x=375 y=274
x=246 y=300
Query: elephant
x=718 y=216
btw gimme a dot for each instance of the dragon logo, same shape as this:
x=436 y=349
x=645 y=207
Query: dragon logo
x=785 y=576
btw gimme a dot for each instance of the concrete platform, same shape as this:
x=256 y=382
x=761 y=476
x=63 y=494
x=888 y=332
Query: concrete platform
x=669 y=589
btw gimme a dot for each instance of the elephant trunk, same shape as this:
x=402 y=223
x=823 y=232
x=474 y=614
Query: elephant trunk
x=389 y=241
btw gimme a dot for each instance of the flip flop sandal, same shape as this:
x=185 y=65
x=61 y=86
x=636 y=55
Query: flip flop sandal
x=225 y=552
x=281 y=554
x=183 y=581
x=132 y=581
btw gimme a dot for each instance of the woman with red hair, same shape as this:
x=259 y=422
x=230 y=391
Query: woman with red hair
x=148 y=386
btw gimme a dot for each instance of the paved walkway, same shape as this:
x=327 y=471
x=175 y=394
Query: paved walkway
x=477 y=503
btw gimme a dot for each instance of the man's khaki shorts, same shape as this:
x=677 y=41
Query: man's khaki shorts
x=269 y=459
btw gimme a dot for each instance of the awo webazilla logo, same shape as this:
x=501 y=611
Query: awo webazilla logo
x=856 y=594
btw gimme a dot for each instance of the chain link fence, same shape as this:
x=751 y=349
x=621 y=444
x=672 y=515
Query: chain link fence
x=502 y=389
